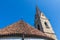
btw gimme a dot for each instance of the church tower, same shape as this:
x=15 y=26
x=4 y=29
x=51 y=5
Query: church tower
x=43 y=24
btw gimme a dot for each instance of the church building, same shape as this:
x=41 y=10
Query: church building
x=23 y=31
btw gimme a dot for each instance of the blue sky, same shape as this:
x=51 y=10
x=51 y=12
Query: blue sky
x=13 y=10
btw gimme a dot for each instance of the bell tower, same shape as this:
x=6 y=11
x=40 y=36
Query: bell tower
x=38 y=24
x=43 y=24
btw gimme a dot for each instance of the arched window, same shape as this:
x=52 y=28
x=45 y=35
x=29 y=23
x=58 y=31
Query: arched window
x=38 y=27
x=46 y=24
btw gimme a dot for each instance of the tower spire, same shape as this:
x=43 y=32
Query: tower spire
x=36 y=4
x=37 y=9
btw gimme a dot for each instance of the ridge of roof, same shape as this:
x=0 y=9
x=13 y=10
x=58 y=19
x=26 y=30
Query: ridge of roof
x=21 y=27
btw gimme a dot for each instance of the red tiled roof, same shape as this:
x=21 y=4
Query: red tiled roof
x=21 y=28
